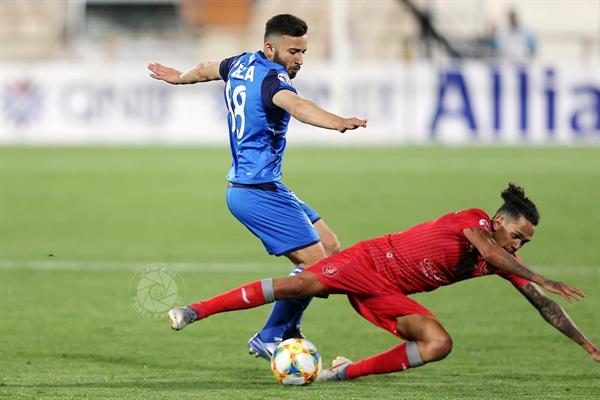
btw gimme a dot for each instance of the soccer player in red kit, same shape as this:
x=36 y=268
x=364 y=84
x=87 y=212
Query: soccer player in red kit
x=377 y=275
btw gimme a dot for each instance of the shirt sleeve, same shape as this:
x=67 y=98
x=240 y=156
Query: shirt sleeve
x=473 y=218
x=516 y=280
x=226 y=64
x=273 y=83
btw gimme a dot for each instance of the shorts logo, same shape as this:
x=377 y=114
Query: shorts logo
x=330 y=270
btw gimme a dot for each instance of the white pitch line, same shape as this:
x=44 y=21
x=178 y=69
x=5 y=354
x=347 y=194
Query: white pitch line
x=279 y=268
x=112 y=266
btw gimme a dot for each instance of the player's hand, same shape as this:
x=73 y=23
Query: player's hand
x=350 y=124
x=167 y=74
x=568 y=292
x=593 y=350
x=596 y=355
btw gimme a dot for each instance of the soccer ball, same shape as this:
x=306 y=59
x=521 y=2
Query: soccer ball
x=295 y=362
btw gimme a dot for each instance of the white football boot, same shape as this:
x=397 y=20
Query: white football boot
x=258 y=348
x=181 y=317
x=337 y=371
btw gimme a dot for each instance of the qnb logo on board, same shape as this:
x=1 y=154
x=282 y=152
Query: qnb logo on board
x=22 y=102
x=90 y=103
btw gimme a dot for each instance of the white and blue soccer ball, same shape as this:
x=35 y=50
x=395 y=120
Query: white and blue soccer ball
x=296 y=362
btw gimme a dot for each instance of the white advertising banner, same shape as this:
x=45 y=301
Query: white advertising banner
x=420 y=103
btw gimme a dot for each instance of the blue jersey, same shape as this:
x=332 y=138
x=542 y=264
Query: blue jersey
x=257 y=127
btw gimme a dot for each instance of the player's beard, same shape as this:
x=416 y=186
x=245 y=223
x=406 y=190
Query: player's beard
x=278 y=60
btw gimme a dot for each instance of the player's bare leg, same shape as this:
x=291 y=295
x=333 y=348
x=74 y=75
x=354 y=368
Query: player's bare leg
x=432 y=340
x=427 y=341
x=307 y=256
x=330 y=242
x=305 y=284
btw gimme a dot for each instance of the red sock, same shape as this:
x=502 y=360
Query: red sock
x=392 y=360
x=246 y=296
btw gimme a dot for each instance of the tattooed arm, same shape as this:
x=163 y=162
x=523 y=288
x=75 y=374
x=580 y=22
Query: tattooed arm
x=554 y=314
x=502 y=259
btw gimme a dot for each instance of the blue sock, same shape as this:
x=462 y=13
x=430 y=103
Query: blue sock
x=285 y=316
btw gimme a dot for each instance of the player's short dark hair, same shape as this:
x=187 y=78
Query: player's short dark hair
x=516 y=204
x=285 y=24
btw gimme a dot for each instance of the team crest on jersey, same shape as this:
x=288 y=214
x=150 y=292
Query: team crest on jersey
x=283 y=77
x=483 y=222
x=330 y=270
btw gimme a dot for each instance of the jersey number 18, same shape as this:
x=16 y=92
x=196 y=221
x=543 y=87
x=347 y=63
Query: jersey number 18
x=236 y=102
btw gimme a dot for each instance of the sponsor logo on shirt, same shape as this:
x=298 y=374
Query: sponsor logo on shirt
x=428 y=269
x=330 y=270
x=283 y=77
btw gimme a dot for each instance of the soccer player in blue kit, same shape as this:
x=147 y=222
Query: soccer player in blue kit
x=260 y=99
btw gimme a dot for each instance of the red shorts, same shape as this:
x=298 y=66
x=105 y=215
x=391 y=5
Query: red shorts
x=379 y=301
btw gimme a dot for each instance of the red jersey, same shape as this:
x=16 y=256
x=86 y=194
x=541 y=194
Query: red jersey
x=435 y=253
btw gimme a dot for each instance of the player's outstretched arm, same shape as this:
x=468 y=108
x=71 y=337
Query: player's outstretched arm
x=500 y=258
x=554 y=314
x=203 y=72
x=308 y=112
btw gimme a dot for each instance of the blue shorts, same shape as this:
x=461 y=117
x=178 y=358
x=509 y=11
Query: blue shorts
x=275 y=215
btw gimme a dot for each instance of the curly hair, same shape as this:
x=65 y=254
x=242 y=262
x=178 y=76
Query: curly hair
x=516 y=204
x=285 y=24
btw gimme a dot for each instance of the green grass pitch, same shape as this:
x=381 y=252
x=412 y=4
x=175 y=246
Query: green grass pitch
x=76 y=224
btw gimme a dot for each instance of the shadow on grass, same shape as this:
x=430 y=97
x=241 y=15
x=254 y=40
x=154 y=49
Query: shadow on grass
x=166 y=385
x=97 y=358
x=112 y=359
x=246 y=379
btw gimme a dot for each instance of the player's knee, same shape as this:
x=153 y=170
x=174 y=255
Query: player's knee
x=332 y=247
x=439 y=347
x=331 y=244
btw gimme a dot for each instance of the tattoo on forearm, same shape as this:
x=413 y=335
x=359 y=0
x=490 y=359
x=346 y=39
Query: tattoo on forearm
x=553 y=313
x=511 y=264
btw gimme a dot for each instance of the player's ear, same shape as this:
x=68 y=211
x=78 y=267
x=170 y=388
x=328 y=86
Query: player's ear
x=497 y=221
x=269 y=49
